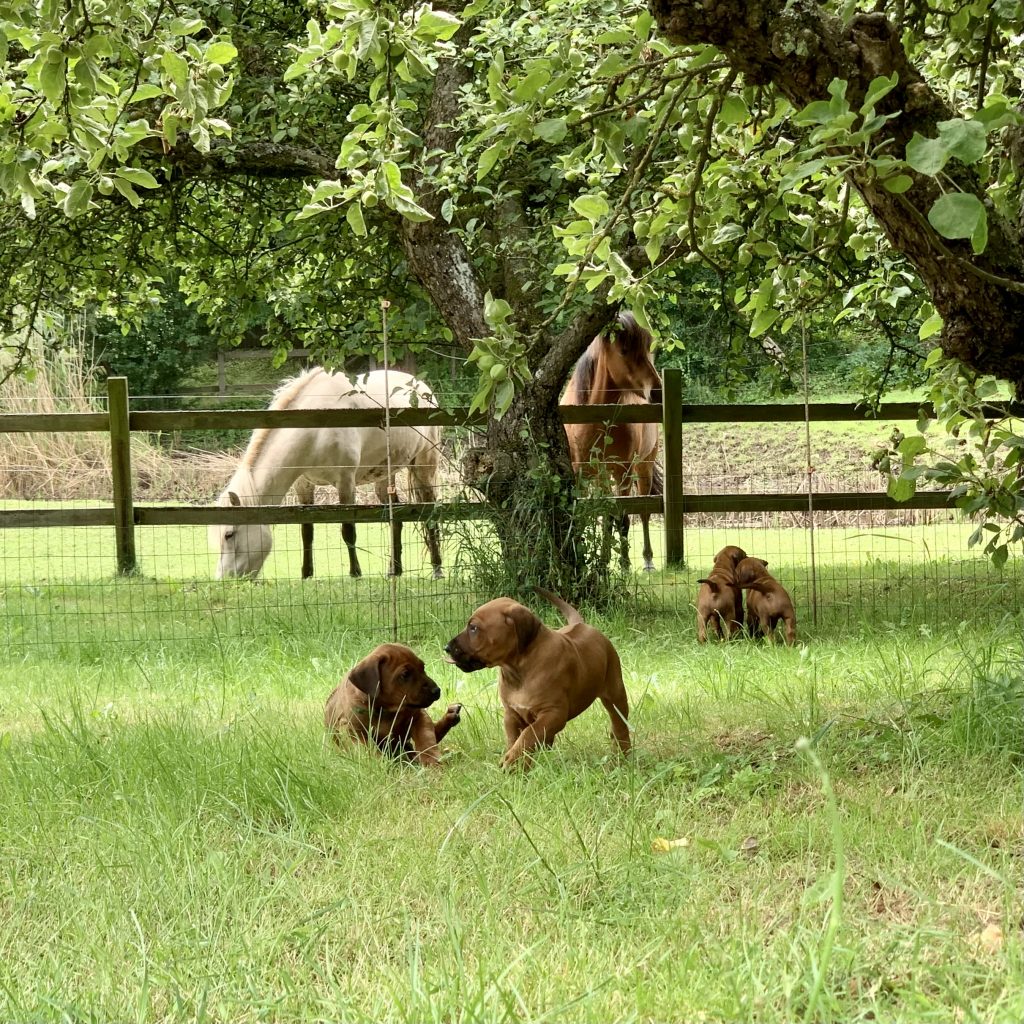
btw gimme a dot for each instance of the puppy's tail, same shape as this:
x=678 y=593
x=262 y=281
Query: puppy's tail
x=572 y=617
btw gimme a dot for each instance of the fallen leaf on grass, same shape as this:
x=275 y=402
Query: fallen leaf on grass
x=990 y=938
x=660 y=845
x=750 y=845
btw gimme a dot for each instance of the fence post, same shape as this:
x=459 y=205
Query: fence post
x=672 y=422
x=121 y=474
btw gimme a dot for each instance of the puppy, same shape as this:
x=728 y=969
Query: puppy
x=768 y=603
x=546 y=677
x=382 y=701
x=720 y=600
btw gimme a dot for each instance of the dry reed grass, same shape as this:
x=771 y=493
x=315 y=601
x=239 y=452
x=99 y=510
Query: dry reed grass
x=66 y=466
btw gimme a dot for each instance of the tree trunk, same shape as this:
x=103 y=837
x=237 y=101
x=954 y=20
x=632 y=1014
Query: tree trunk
x=799 y=48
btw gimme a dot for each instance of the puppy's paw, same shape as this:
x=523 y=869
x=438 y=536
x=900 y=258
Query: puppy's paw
x=454 y=712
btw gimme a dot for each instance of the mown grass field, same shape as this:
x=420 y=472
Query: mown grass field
x=180 y=842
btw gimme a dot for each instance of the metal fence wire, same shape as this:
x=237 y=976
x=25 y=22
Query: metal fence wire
x=123 y=557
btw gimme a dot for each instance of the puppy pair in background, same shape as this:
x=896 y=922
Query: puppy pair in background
x=768 y=602
x=720 y=600
x=382 y=701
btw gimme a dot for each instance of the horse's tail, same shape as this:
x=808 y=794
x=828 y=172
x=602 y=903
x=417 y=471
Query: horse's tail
x=657 y=481
x=572 y=617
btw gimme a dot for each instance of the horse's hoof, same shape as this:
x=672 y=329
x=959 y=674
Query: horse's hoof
x=355 y=573
x=437 y=574
x=649 y=567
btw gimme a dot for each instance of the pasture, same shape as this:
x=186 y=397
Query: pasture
x=181 y=843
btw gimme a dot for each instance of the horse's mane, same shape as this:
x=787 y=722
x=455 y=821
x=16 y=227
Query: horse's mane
x=283 y=397
x=635 y=342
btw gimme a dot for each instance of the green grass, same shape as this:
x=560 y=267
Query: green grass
x=181 y=843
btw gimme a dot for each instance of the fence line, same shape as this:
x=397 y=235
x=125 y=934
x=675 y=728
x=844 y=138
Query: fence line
x=124 y=515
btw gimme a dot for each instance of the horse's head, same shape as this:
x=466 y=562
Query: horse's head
x=627 y=354
x=243 y=546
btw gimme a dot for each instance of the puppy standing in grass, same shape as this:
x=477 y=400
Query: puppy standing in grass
x=382 y=701
x=720 y=600
x=768 y=603
x=545 y=677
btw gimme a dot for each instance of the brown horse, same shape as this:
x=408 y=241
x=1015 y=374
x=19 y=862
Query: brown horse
x=617 y=369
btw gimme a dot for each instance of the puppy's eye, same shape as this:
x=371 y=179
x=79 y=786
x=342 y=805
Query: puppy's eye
x=472 y=627
x=228 y=534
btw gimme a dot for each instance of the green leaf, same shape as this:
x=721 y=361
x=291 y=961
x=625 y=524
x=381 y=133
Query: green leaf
x=999 y=556
x=927 y=156
x=878 y=88
x=126 y=189
x=734 y=110
x=354 y=216
x=77 y=200
x=818 y=112
x=437 y=25
x=592 y=207
x=137 y=176
x=532 y=84
x=964 y=140
x=931 y=326
x=764 y=319
x=979 y=236
x=552 y=130
x=912 y=446
x=176 y=68
x=52 y=76
x=901 y=489
x=898 y=184
x=488 y=158
x=956 y=214
x=221 y=52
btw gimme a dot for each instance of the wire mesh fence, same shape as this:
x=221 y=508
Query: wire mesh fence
x=847 y=568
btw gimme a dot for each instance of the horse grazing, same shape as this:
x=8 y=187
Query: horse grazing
x=277 y=459
x=617 y=369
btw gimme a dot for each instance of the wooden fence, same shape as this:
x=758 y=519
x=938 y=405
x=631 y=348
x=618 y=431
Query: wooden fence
x=124 y=515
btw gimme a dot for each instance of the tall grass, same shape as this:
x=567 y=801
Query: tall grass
x=76 y=465
x=180 y=843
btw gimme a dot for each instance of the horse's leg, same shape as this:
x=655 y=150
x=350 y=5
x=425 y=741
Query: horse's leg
x=645 y=520
x=395 y=561
x=348 y=535
x=623 y=524
x=422 y=475
x=305 y=493
x=346 y=488
x=648 y=440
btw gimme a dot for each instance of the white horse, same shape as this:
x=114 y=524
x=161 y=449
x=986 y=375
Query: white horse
x=277 y=459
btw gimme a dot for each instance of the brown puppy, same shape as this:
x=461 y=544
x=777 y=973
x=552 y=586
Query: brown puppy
x=382 y=701
x=720 y=600
x=719 y=604
x=768 y=603
x=546 y=677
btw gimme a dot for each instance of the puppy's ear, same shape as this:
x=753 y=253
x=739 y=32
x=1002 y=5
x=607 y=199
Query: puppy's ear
x=764 y=563
x=366 y=675
x=525 y=624
x=711 y=583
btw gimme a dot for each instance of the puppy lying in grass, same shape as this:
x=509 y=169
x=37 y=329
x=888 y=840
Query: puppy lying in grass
x=383 y=701
x=768 y=603
x=720 y=600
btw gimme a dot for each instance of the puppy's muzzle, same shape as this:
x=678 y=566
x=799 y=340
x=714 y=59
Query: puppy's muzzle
x=463 y=660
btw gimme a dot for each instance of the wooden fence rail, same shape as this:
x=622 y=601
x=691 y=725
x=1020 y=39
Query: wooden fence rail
x=124 y=515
